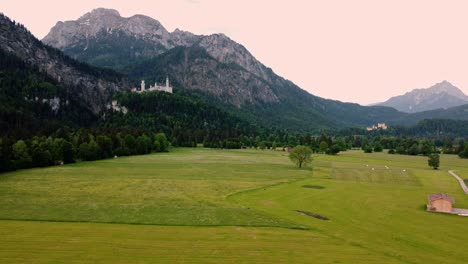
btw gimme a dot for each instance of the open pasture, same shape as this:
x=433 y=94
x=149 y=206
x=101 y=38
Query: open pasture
x=211 y=206
x=184 y=187
x=372 y=174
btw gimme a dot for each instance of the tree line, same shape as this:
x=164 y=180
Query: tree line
x=412 y=146
x=68 y=146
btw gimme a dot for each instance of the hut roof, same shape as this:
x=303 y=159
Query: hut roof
x=438 y=196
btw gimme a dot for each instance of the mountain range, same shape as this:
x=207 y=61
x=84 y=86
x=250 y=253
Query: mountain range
x=220 y=69
x=213 y=67
x=441 y=95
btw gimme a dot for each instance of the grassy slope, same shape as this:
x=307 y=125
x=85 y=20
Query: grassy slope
x=376 y=216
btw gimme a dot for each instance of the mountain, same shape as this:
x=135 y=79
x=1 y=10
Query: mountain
x=104 y=38
x=42 y=89
x=272 y=101
x=94 y=87
x=441 y=95
x=218 y=68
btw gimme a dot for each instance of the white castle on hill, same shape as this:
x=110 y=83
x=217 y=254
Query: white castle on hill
x=382 y=126
x=163 y=88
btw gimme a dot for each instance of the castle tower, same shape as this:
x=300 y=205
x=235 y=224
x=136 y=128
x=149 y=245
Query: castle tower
x=167 y=82
x=142 y=85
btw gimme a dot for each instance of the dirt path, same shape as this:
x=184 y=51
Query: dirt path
x=462 y=183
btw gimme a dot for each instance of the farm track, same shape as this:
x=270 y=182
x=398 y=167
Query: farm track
x=460 y=180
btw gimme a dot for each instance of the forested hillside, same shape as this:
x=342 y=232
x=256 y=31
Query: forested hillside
x=32 y=103
x=186 y=119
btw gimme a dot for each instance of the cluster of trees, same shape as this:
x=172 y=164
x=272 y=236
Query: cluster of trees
x=406 y=146
x=188 y=120
x=325 y=144
x=66 y=146
x=413 y=146
x=464 y=153
x=436 y=128
x=427 y=128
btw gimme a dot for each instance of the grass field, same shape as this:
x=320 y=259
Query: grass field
x=183 y=187
x=212 y=206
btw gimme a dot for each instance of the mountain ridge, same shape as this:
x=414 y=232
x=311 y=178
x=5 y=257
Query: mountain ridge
x=440 y=95
x=227 y=71
x=224 y=71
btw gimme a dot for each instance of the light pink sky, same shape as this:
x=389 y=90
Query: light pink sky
x=361 y=51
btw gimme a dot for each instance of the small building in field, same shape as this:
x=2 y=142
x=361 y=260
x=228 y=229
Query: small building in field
x=440 y=202
x=288 y=149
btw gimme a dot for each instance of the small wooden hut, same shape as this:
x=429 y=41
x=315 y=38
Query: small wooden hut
x=440 y=202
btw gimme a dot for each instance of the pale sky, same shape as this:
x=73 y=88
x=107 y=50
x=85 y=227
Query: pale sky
x=362 y=51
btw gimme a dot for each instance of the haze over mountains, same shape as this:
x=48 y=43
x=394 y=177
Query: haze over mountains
x=441 y=95
x=215 y=67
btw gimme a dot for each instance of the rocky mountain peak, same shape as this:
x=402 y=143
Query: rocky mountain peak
x=184 y=38
x=72 y=33
x=438 y=89
x=100 y=13
x=94 y=30
x=448 y=88
x=440 y=95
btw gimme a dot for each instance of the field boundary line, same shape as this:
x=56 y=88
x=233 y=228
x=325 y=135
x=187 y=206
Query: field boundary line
x=298 y=227
x=266 y=186
x=460 y=180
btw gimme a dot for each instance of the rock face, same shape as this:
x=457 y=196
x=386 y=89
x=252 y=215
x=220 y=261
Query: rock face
x=93 y=86
x=194 y=69
x=227 y=51
x=103 y=38
x=441 y=95
x=70 y=33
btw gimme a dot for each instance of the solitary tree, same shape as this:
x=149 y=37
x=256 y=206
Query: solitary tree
x=434 y=161
x=301 y=155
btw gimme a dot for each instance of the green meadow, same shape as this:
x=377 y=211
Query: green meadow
x=233 y=206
